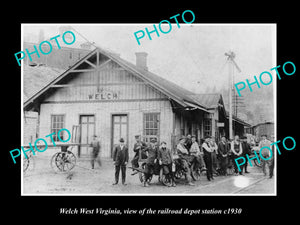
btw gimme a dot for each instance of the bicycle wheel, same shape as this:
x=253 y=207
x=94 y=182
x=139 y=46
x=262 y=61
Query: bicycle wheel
x=195 y=172
x=256 y=163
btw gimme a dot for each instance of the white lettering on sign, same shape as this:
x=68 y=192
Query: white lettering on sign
x=104 y=95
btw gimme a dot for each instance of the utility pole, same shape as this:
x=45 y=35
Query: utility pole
x=230 y=58
x=238 y=102
x=230 y=99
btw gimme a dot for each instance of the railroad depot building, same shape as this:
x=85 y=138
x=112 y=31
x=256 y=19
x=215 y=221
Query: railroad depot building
x=104 y=95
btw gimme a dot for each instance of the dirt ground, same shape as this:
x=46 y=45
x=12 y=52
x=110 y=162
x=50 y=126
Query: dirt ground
x=41 y=179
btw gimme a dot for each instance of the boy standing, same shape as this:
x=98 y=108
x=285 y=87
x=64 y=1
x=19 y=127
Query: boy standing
x=165 y=160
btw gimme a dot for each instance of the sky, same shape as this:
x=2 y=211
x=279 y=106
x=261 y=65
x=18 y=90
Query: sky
x=191 y=56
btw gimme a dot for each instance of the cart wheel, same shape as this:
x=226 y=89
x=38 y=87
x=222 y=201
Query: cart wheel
x=70 y=160
x=256 y=163
x=26 y=163
x=195 y=172
x=230 y=170
x=142 y=175
x=163 y=178
x=150 y=178
x=57 y=163
x=178 y=173
x=63 y=161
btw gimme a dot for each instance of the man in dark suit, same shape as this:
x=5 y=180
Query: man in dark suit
x=139 y=149
x=208 y=158
x=223 y=149
x=120 y=158
x=95 y=152
x=152 y=151
x=246 y=150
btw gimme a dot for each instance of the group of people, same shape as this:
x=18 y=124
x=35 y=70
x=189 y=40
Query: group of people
x=207 y=156
x=210 y=157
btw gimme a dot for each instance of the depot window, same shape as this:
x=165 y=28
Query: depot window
x=57 y=123
x=151 y=125
x=207 y=127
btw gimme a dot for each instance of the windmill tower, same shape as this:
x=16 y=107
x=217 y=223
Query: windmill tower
x=230 y=59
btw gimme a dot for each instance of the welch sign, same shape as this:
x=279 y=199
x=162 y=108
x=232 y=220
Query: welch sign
x=104 y=95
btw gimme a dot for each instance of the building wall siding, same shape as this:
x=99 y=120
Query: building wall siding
x=103 y=112
x=134 y=98
x=110 y=78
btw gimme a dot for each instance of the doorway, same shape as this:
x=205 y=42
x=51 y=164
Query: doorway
x=119 y=130
x=87 y=131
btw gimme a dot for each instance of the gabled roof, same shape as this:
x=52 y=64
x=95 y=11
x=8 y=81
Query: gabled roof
x=173 y=91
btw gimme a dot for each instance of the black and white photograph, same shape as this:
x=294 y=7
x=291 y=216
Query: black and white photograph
x=132 y=113
x=164 y=109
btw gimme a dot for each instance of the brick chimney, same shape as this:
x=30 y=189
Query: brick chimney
x=141 y=60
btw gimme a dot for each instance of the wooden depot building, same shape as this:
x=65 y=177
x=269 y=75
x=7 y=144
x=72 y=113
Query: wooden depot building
x=104 y=95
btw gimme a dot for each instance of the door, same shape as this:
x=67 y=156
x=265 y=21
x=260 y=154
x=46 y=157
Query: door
x=119 y=129
x=87 y=131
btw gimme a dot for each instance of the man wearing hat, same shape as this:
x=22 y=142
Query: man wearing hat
x=208 y=158
x=265 y=152
x=120 y=157
x=184 y=159
x=223 y=149
x=152 y=151
x=237 y=150
x=95 y=152
x=138 y=148
x=195 y=152
x=188 y=142
x=246 y=151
